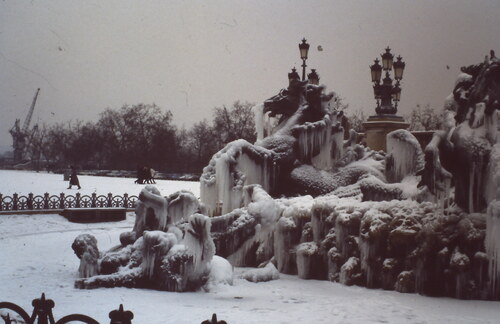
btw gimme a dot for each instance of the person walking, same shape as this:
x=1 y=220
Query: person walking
x=73 y=180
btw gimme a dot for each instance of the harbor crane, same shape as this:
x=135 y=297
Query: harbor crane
x=20 y=135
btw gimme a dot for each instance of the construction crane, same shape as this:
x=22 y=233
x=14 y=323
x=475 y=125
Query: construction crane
x=19 y=134
x=27 y=121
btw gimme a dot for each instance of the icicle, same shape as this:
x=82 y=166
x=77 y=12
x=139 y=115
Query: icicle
x=222 y=192
x=156 y=245
x=317 y=145
x=258 y=112
x=406 y=155
x=307 y=260
x=198 y=241
x=181 y=205
x=492 y=244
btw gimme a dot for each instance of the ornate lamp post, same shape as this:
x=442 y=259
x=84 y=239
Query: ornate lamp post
x=313 y=77
x=304 y=49
x=385 y=93
x=387 y=96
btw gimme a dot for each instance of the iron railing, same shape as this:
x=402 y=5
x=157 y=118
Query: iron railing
x=42 y=312
x=62 y=201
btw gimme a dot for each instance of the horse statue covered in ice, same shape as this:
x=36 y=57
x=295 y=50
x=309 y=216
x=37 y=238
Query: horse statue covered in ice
x=299 y=140
x=467 y=149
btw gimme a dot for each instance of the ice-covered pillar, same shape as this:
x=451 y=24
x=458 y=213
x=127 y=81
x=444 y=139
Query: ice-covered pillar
x=492 y=244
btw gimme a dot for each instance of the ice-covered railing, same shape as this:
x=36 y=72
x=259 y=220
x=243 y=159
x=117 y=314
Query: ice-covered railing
x=229 y=170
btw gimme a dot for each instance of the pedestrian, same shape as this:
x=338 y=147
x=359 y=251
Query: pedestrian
x=140 y=175
x=73 y=180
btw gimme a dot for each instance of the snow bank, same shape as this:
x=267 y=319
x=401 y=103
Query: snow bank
x=267 y=273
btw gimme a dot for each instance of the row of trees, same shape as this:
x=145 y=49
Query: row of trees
x=140 y=134
x=420 y=119
x=144 y=134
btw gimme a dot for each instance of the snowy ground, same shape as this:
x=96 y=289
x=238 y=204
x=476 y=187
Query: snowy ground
x=36 y=257
x=38 y=183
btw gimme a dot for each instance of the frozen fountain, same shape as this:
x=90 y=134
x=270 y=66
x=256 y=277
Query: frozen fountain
x=303 y=200
x=408 y=219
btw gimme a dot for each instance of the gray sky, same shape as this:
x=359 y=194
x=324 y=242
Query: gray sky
x=190 y=56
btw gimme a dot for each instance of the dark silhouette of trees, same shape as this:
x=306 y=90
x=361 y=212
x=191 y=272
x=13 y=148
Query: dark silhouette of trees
x=144 y=134
x=203 y=139
x=234 y=123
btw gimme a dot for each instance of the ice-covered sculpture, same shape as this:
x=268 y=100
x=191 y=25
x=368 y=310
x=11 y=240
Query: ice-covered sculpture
x=463 y=148
x=300 y=140
x=170 y=248
x=372 y=223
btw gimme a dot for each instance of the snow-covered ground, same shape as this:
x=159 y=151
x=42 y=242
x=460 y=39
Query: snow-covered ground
x=36 y=257
x=38 y=183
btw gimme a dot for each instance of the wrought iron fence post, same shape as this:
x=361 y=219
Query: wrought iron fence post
x=1 y=202
x=125 y=200
x=214 y=320
x=121 y=317
x=61 y=200
x=30 y=201
x=43 y=310
x=94 y=198
x=14 y=201
x=110 y=200
x=46 y=201
x=77 y=201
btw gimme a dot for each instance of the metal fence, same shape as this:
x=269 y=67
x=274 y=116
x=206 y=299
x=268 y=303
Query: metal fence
x=62 y=201
x=42 y=314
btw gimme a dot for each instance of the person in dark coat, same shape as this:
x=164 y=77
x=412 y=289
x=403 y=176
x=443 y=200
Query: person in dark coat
x=73 y=180
x=140 y=175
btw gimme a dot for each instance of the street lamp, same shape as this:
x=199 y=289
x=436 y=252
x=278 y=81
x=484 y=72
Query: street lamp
x=385 y=93
x=399 y=67
x=387 y=59
x=304 y=49
x=376 y=71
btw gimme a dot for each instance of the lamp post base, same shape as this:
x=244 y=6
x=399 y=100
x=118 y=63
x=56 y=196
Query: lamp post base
x=377 y=127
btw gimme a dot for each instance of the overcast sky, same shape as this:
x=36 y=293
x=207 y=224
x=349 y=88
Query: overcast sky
x=191 y=56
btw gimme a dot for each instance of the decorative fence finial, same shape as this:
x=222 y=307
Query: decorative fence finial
x=214 y=320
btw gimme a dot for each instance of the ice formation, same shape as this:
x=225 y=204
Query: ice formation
x=85 y=247
x=492 y=242
x=384 y=220
x=307 y=132
x=303 y=201
x=157 y=253
x=266 y=273
x=462 y=150
x=404 y=155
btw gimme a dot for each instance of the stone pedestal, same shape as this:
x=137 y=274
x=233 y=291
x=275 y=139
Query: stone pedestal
x=377 y=127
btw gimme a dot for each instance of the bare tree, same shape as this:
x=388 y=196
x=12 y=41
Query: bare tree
x=424 y=118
